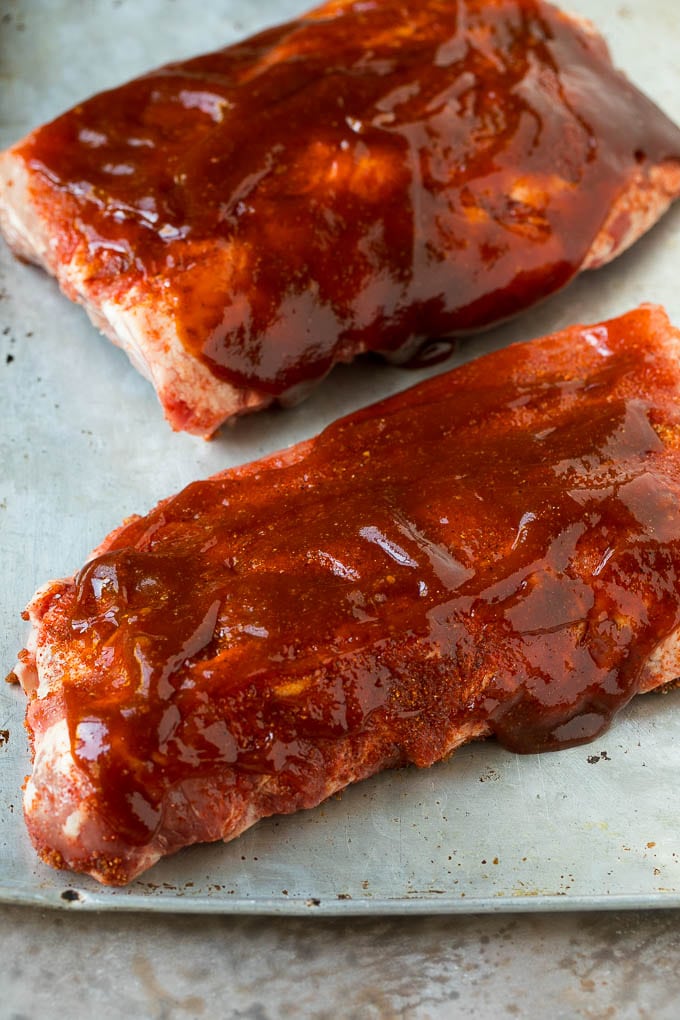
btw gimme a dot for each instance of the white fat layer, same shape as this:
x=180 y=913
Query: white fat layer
x=44 y=686
x=73 y=824
x=663 y=665
x=30 y=794
x=120 y=331
x=53 y=751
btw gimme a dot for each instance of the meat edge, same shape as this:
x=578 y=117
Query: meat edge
x=192 y=398
x=68 y=803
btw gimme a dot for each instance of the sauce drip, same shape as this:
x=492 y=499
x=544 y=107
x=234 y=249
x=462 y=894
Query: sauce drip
x=498 y=547
x=368 y=176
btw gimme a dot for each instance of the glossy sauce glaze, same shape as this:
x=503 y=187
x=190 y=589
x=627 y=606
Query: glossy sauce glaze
x=498 y=547
x=368 y=177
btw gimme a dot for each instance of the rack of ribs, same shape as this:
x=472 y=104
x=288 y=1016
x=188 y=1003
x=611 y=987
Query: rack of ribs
x=494 y=552
x=366 y=178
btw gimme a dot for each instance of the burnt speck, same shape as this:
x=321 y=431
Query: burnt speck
x=9 y=358
x=594 y=758
x=313 y=902
x=4 y=737
x=344 y=896
x=70 y=895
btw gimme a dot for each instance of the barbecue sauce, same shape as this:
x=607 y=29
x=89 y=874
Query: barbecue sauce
x=368 y=177
x=498 y=547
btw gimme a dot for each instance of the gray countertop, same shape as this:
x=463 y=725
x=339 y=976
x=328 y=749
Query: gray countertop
x=622 y=965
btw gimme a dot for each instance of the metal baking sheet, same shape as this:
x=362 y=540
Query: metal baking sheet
x=83 y=444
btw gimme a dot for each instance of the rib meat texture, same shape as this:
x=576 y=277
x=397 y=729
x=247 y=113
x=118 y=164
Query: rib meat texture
x=494 y=552
x=365 y=178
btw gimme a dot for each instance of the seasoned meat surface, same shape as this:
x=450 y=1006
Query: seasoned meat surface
x=365 y=178
x=495 y=551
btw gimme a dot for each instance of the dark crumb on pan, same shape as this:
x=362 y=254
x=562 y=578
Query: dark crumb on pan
x=4 y=737
x=594 y=758
x=70 y=895
x=9 y=358
x=11 y=678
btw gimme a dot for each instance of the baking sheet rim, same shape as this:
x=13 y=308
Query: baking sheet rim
x=175 y=903
x=166 y=900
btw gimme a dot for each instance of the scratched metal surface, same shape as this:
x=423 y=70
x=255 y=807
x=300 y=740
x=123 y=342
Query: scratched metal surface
x=83 y=444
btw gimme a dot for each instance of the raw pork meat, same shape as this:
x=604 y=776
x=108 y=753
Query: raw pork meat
x=366 y=178
x=493 y=552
